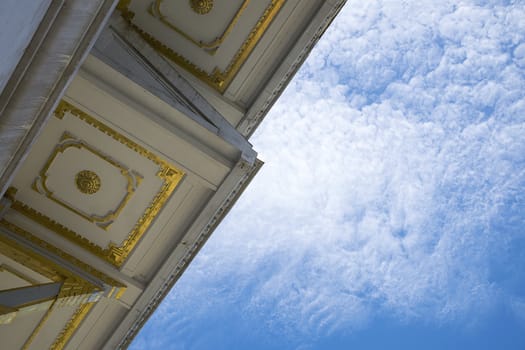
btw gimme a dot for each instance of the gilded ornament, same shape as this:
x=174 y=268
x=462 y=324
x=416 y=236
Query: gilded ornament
x=74 y=290
x=71 y=326
x=51 y=270
x=87 y=182
x=113 y=253
x=209 y=47
x=218 y=79
x=202 y=7
x=67 y=140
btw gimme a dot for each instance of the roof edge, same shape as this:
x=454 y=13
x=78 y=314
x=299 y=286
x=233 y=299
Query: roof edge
x=289 y=67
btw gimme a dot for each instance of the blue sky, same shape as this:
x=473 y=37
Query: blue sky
x=390 y=211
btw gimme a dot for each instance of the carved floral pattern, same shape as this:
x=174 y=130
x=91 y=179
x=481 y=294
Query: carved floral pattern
x=202 y=7
x=87 y=182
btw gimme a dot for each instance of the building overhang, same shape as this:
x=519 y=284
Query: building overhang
x=122 y=158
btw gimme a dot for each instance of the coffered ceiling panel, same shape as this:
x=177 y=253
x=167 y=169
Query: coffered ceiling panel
x=92 y=184
x=44 y=320
x=210 y=39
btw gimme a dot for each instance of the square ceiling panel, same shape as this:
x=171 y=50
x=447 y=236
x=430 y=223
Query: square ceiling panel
x=210 y=39
x=93 y=185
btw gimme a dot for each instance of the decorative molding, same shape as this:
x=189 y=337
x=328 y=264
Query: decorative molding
x=74 y=290
x=113 y=253
x=59 y=229
x=40 y=325
x=69 y=141
x=66 y=36
x=201 y=7
x=44 y=266
x=191 y=251
x=248 y=125
x=210 y=47
x=71 y=284
x=217 y=79
x=87 y=181
x=28 y=258
x=71 y=326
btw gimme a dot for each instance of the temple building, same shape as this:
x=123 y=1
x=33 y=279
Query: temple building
x=124 y=134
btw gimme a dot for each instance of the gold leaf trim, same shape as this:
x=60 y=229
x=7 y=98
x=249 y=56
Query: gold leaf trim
x=69 y=141
x=40 y=325
x=29 y=259
x=201 y=7
x=71 y=326
x=44 y=266
x=87 y=181
x=210 y=47
x=217 y=79
x=113 y=253
x=73 y=289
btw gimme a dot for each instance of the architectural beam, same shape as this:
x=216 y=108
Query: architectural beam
x=111 y=49
x=172 y=78
x=19 y=297
x=55 y=259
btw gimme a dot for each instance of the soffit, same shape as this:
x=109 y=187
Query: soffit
x=92 y=184
x=43 y=326
x=212 y=45
x=50 y=322
x=107 y=183
x=161 y=137
x=96 y=185
x=111 y=160
x=17 y=333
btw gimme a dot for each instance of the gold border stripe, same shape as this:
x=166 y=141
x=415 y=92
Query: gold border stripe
x=212 y=46
x=71 y=326
x=114 y=254
x=217 y=79
x=67 y=140
x=37 y=329
x=42 y=265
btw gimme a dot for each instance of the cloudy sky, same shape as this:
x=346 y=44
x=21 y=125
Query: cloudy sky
x=390 y=211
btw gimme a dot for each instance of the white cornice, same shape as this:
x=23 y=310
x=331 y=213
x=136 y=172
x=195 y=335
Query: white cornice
x=210 y=217
x=289 y=67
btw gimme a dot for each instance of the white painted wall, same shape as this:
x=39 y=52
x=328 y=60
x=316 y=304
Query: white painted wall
x=19 y=20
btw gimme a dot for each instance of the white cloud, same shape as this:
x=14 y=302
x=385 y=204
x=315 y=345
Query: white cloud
x=392 y=162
